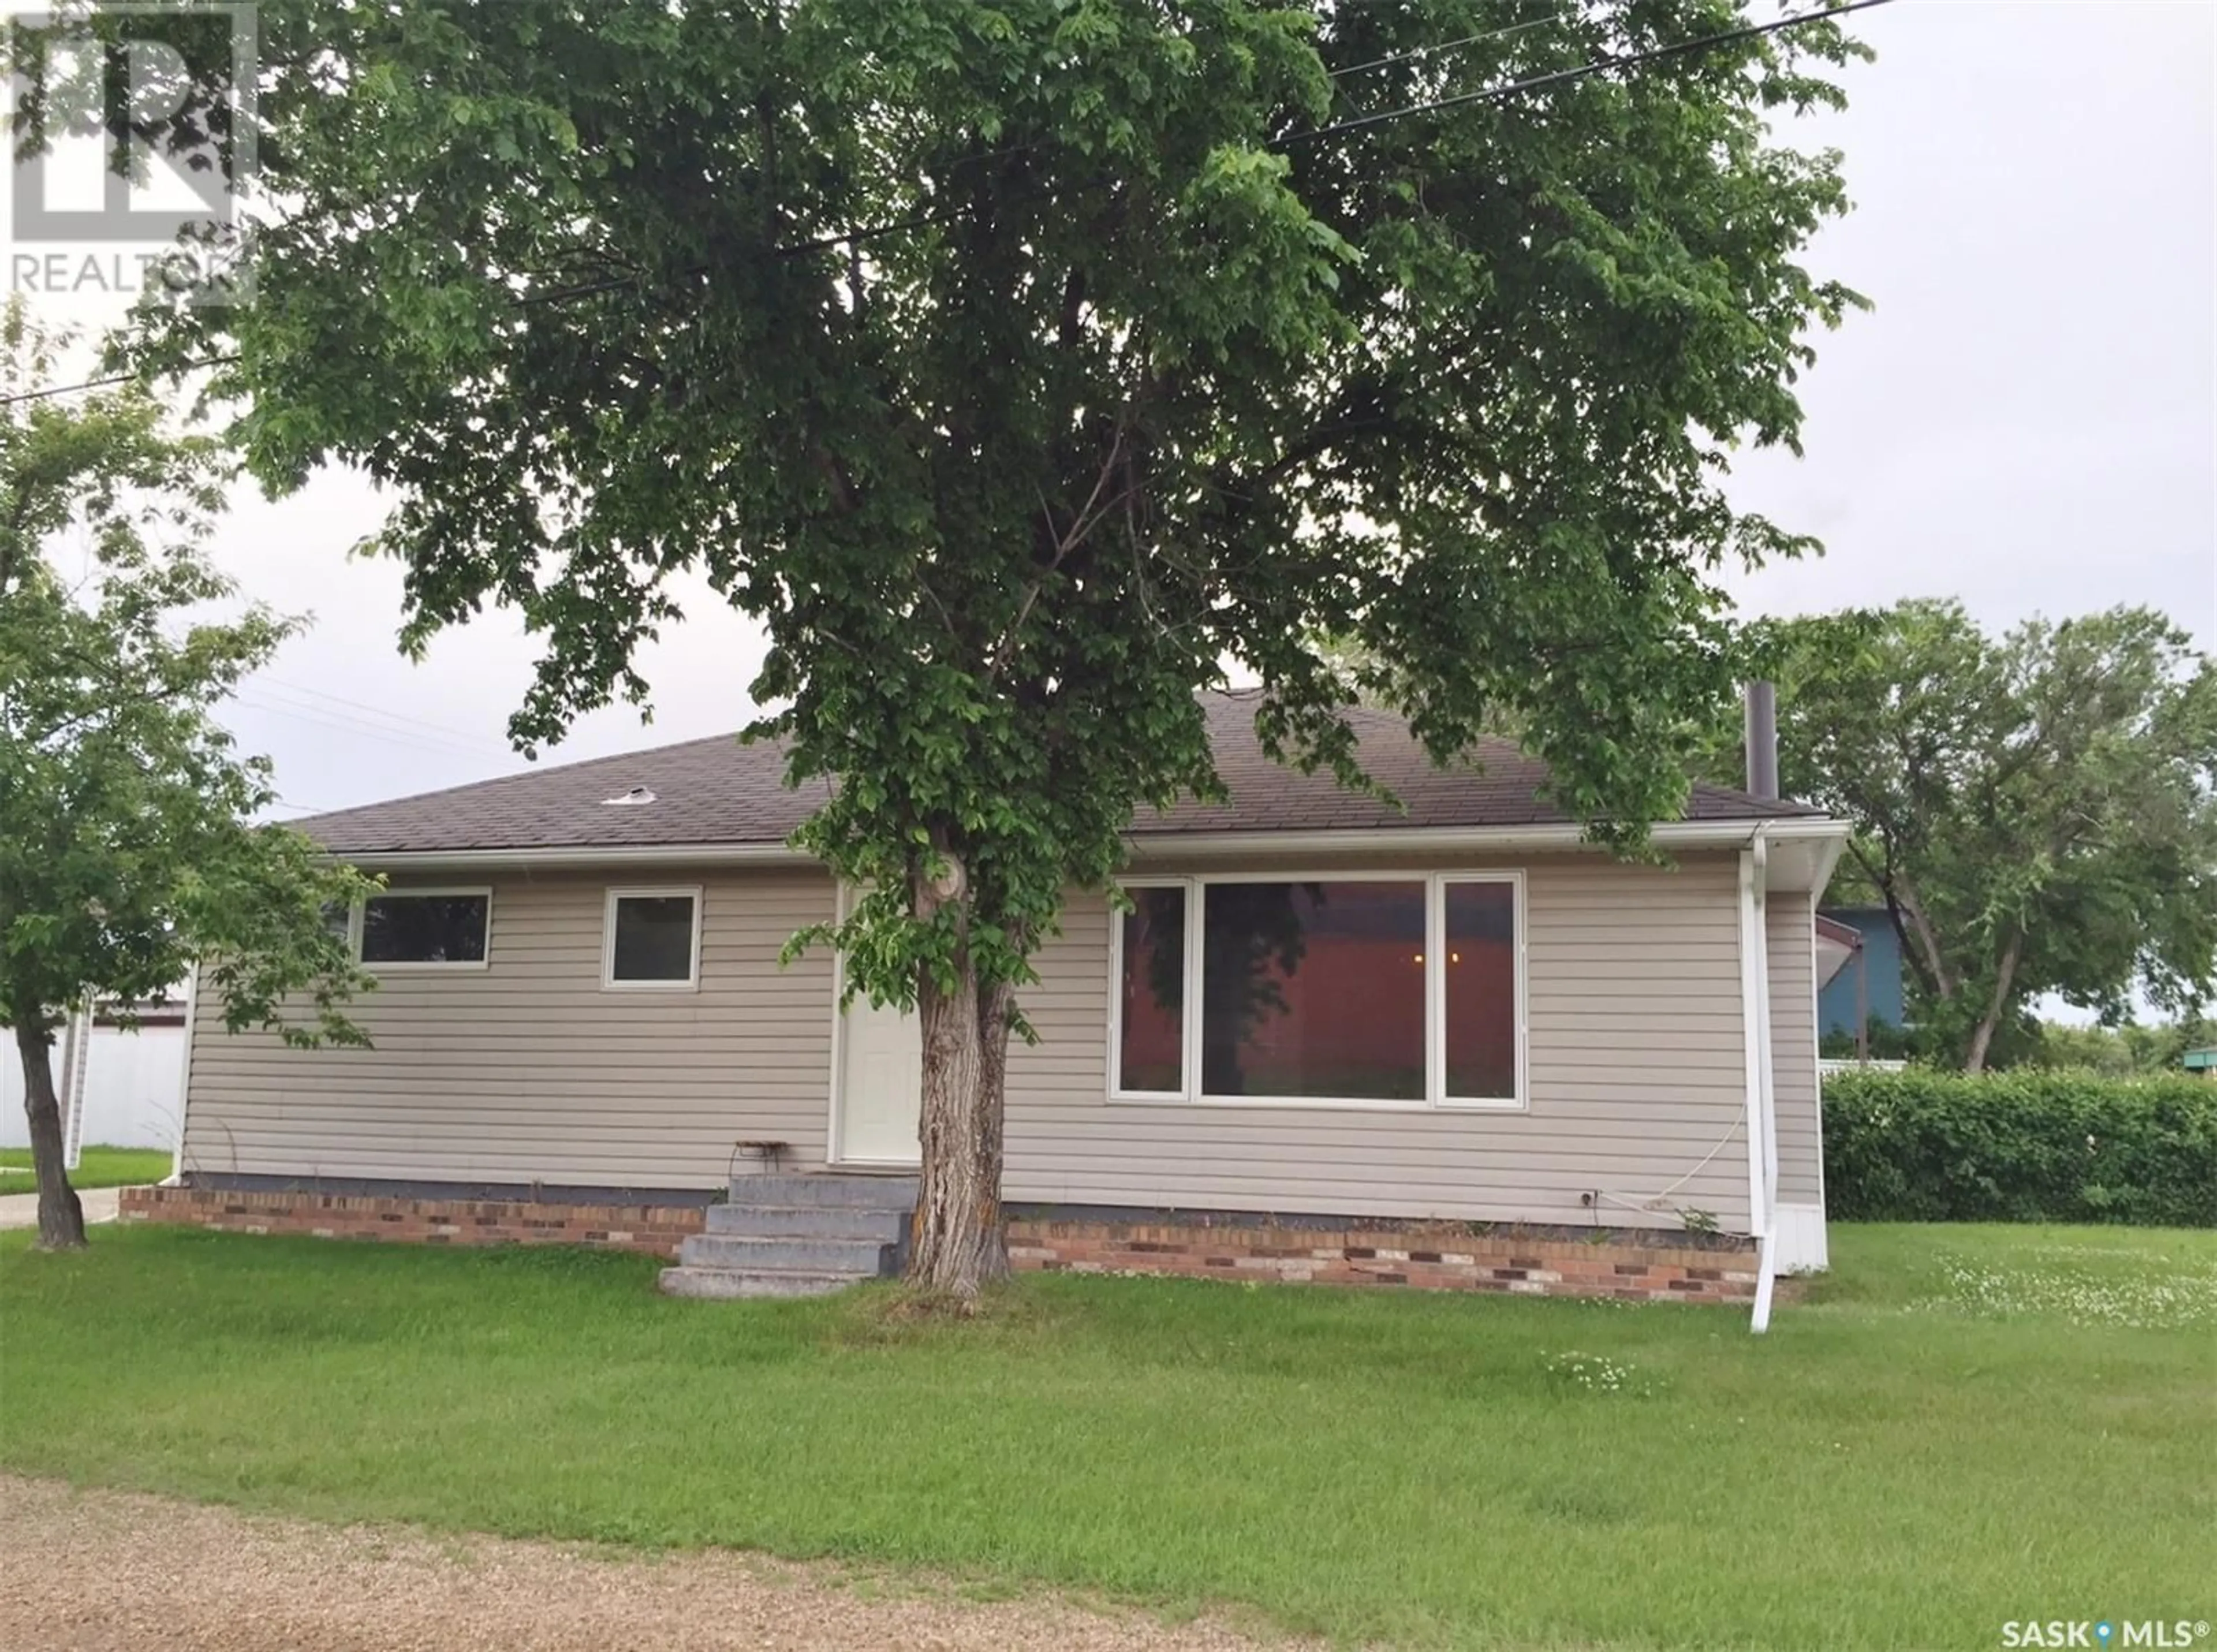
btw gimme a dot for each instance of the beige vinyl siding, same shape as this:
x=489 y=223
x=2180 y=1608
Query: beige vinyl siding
x=1791 y=919
x=527 y=1070
x=1637 y=1073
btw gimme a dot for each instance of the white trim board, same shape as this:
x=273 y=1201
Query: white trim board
x=1800 y=1234
x=185 y=1075
x=1754 y=964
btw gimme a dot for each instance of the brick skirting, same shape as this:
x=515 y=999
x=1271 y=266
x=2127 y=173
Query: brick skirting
x=1623 y=1263
x=1618 y=1264
x=655 y=1229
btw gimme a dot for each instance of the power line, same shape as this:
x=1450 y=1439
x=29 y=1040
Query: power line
x=364 y=707
x=258 y=699
x=1417 y=52
x=845 y=238
x=107 y=383
x=1580 y=71
x=104 y=384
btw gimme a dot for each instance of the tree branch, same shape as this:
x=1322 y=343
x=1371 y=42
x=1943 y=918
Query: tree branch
x=1073 y=306
x=1089 y=517
x=1942 y=981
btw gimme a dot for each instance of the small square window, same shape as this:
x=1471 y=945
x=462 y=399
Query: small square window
x=653 y=938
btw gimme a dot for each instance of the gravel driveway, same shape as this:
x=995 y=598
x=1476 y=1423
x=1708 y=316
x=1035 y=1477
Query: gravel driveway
x=111 y=1572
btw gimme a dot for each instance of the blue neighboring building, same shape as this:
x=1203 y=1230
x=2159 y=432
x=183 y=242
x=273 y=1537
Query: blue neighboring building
x=1879 y=963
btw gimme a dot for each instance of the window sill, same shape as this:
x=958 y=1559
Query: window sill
x=428 y=968
x=1314 y=1103
x=650 y=986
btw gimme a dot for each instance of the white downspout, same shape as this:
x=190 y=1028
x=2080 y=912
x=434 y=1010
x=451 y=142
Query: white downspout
x=1762 y=1087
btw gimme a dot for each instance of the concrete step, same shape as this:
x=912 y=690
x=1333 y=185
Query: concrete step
x=863 y=1258
x=807 y=1222
x=722 y=1283
x=825 y=1187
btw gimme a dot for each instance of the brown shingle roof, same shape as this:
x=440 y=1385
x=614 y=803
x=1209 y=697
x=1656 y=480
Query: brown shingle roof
x=718 y=791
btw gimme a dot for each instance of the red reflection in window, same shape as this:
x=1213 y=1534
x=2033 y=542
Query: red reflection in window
x=1152 y=1055
x=1481 y=998
x=1314 y=989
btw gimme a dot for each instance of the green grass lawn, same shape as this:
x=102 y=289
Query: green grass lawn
x=1963 y=1426
x=101 y=1168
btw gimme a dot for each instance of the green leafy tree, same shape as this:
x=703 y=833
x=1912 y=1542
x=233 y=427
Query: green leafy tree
x=2036 y=810
x=1022 y=367
x=2127 y=1047
x=125 y=853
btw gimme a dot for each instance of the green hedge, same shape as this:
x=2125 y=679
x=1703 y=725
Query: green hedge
x=1924 y=1146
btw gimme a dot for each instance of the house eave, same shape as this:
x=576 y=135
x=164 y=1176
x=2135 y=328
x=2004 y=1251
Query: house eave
x=1144 y=846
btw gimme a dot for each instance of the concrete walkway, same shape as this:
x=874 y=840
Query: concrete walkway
x=99 y=1571
x=22 y=1209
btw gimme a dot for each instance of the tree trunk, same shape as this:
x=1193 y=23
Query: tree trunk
x=958 y=1245
x=1982 y=1037
x=61 y=1218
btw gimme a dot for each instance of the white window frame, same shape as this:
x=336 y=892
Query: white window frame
x=1436 y=984
x=351 y=937
x=1189 y=1055
x=1434 y=1099
x=432 y=966
x=656 y=892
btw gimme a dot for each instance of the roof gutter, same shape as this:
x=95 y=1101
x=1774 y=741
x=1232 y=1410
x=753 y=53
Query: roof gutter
x=1668 y=834
x=1144 y=846
x=581 y=856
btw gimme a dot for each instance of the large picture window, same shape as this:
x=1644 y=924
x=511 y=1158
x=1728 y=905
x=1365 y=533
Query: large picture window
x=426 y=927
x=1355 y=991
x=1314 y=989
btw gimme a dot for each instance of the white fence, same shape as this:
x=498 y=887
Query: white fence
x=131 y=1087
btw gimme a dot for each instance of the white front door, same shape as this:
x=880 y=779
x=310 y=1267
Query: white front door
x=880 y=1087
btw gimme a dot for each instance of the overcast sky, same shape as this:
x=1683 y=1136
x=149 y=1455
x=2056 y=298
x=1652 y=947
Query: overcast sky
x=2025 y=419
